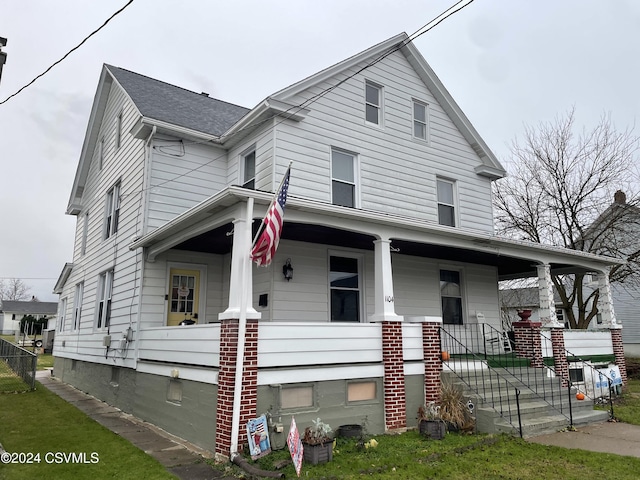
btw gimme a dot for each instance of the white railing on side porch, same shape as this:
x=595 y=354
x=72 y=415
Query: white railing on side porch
x=281 y=344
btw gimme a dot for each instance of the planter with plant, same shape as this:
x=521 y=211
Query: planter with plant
x=317 y=443
x=429 y=422
x=454 y=410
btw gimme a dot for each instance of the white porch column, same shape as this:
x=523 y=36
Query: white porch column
x=547 y=302
x=605 y=302
x=384 y=300
x=241 y=270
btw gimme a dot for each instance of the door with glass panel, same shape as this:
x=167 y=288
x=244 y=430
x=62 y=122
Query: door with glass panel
x=183 y=298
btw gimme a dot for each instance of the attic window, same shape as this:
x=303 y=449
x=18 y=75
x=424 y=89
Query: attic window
x=373 y=103
x=118 y=130
x=112 y=211
x=420 y=125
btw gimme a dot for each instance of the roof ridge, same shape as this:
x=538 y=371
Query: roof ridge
x=175 y=86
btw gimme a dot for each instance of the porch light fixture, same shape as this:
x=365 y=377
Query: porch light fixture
x=287 y=270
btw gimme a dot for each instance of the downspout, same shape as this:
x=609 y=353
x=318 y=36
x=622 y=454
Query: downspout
x=242 y=327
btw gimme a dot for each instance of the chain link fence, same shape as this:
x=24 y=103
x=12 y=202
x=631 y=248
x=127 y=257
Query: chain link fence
x=20 y=363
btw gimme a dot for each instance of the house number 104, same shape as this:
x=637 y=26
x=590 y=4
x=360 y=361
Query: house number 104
x=388 y=298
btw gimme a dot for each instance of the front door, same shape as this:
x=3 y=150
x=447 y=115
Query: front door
x=183 y=296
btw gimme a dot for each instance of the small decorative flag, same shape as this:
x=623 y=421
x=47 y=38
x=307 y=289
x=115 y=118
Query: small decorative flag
x=295 y=446
x=264 y=248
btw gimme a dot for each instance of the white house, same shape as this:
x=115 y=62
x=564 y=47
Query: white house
x=388 y=228
x=12 y=311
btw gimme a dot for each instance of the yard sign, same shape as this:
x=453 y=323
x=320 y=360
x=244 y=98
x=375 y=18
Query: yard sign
x=295 y=446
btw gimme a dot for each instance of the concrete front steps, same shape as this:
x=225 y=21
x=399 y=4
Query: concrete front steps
x=543 y=402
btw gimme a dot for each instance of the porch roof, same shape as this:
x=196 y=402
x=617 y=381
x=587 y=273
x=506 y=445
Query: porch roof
x=206 y=226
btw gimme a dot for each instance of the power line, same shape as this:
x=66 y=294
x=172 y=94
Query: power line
x=69 y=52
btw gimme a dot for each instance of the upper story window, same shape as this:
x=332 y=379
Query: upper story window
x=101 y=153
x=345 y=286
x=420 y=124
x=446 y=202
x=112 y=211
x=249 y=170
x=105 y=287
x=373 y=103
x=62 y=314
x=77 y=305
x=451 y=297
x=85 y=232
x=343 y=178
x=119 y=130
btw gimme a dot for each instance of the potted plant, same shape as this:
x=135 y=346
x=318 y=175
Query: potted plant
x=429 y=422
x=453 y=408
x=317 y=443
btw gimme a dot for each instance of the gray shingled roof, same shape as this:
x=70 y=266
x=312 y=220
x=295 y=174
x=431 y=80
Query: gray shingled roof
x=39 y=308
x=162 y=101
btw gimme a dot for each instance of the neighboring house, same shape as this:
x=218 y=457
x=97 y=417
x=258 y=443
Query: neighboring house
x=388 y=228
x=13 y=311
x=513 y=300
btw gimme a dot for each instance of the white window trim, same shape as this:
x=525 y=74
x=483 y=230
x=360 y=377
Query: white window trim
x=85 y=233
x=426 y=122
x=454 y=184
x=242 y=168
x=361 y=281
x=105 y=279
x=62 y=314
x=202 y=299
x=356 y=176
x=77 y=306
x=463 y=290
x=112 y=206
x=380 y=106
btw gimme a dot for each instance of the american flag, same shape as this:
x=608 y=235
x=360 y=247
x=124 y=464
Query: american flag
x=264 y=248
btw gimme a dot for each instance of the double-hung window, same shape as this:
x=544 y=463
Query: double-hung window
x=373 y=103
x=420 y=124
x=451 y=297
x=62 y=314
x=345 y=286
x=113 y=211
x=118 y=130
x=343 y=178
x=77 y=305
x=85 y=231
x=249 y=170
x=105 y=287
x=446 y=202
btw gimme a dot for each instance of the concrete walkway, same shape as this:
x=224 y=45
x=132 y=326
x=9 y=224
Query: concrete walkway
x=606 y=437
x=182 y=459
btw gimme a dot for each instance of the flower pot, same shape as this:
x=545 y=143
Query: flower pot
x=320 y=453
x=434 y=429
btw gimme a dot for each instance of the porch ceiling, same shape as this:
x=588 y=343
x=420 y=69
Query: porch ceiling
x=219 y=241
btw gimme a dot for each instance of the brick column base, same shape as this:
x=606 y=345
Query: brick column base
x=395 y=402
x=227 y=379
x=618 y=352
x=560 y=355
x=432 y=356
x=528 y=342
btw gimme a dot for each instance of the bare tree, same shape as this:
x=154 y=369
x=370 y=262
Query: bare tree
x=560 y=192
x=14 y=289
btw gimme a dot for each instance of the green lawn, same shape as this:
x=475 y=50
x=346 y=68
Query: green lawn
x=41 y=423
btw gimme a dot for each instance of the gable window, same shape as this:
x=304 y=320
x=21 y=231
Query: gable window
x=446 y=203
x=420 y=120
x=105 y=287
x=113 y=211
x=451 y=297
x=77 y=305
x=101 y=153
x=345 y=286
x=118 y=130
x=343 y=179
x=373 y=103
x=249 y=170
x=85 y=231
x=63 y=313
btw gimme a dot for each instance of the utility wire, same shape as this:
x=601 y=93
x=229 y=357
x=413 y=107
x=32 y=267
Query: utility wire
x=68 y=53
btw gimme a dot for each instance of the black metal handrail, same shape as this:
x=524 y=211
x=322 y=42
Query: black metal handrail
x=594 y=383
x=487 y=383
x=21 y=361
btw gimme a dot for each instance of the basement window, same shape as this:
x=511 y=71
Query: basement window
x=296 y=397
x=361 y=391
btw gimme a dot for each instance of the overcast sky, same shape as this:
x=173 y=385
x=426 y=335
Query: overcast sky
x=506 y=63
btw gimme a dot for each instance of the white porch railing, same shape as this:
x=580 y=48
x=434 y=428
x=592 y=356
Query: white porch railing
x=580 y=343
x=189 y=344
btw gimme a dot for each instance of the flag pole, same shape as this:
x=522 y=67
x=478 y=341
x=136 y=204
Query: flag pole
x=273 y=200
